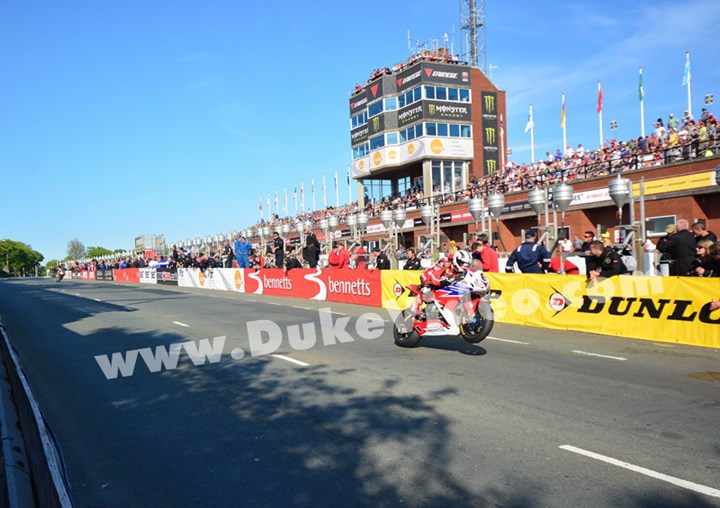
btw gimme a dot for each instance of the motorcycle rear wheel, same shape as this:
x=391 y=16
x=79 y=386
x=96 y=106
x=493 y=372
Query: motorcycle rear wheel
x=480 y=328
x=409 y=338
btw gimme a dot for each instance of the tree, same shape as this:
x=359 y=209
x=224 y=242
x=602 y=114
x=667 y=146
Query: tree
x=18 y=258
x=96 y=252
x=75 y=249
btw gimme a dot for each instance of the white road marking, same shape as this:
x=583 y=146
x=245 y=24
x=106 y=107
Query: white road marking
x=181 y=324
x=338 y=313
x=702 y=489
x=510 y=341
x=275 y=303
x=97 y=300
x=300 y=307
x=78 y=294
x=620 y=358
x=291 y=360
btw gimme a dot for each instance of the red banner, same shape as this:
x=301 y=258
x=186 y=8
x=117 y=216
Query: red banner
x=126 y=275
x=347 y=286
x=360 y=287
x=89 y=275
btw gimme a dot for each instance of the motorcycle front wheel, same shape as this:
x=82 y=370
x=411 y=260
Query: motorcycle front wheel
x=481 y=325
x=403 y=331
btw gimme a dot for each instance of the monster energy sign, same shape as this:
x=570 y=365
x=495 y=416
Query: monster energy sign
x=447 y=111
x=376 y=124
x=490 y=132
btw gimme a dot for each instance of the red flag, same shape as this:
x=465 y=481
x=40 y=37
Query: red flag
x=600 y=98
x=261 y=203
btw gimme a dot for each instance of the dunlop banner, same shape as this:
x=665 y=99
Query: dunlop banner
x=395 y=294
x=665 y=309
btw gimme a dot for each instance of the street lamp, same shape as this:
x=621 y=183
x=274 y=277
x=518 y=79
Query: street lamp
x=496 y=203
x=621 y=192
x=562 y=197
x=476 y=206
x=351 y=221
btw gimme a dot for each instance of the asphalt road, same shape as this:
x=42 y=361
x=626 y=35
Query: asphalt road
x=527 y=418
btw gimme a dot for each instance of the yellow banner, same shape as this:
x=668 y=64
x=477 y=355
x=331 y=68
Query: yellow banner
x=676 y=183
x=394 y=287
x=663 y=309
x=666 y=309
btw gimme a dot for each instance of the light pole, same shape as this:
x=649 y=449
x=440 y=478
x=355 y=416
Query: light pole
x=399 y=215
x=476 y=206
x=323 y=223
x=621 y=192
x=362 y=223
x=496 y=203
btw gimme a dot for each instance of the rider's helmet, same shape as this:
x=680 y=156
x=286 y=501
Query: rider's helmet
x=461 y=260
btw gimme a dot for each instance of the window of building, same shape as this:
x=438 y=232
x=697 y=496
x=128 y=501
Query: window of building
x=403 y=185
x=655 y=226
x=464 y=95
x=429 y=92
x=448 y=176
x=359 y=119
x=375 y=109
x=453 y=94
x=465 y=131
x=454 y=130
x=391 y=138
x=377 y=189
x=360 y=151
x=442 y=129
x=431 y=129
x=391 y=104
x=377 y=142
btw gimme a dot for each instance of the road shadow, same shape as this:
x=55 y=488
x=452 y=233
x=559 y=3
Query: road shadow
x=452 y=343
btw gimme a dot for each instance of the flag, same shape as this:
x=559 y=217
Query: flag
x=260 y=203
x=276 y=200
x=295 y=192
x=348 y=176
x=600 y=98
x=302 y=192
x=562 y=113
x=530 y=124
x=336 y=182
x=686 y=73
x=641 y=90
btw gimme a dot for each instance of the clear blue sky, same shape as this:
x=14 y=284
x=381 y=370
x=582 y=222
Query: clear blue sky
x=173 y=117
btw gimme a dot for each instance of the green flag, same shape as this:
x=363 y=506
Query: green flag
x=641 y=91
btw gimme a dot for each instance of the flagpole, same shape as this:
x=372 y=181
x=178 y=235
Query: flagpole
x=285 y=201
x=689 y=79
x=564 y=113
x=312 y=189
x=641 y=96
x=295 y=198
x=502 y=144
x=270 y=209
x=337 y=191
x=302 y=196
x=324 y=192
x=349 y=187
x=261 y=217
x=600 y=97
x=532 y=136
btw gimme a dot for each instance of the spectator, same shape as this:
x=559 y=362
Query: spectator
x=339 y=257
x=413 y=262
x=490 y=262
x=603 y=262
x=278 y=249
x=587 y=239
x=227 y=254
x=381 y=260
x=311 y=252
x=707 y=263
x=568 y=266
x=360 y=257
x=242 y=252
x=699 y=229
x=292 y=261
x=530 y=256
x=678 y=247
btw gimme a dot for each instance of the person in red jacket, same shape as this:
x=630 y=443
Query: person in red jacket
x=339 y=257
x=489 y=255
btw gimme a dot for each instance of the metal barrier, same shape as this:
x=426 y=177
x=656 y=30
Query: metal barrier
x=34 y=473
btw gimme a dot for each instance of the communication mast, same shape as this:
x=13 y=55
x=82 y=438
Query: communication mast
x=472 y=16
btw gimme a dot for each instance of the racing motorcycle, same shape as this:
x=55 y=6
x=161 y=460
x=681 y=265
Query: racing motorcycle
x=59 y=274
x=459 y=308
